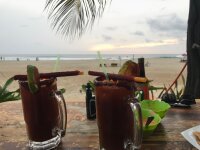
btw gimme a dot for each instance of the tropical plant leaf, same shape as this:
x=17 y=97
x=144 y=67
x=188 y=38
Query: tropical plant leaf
x=83 y=87
x=155 y=88
x=9 y=96
x=172 y=91
x=176 y=84
x=179 y=93
x=72 y=18
x=161 y=93
x=62 y=90
x=152 y=94
x=183 y=79
x=149 y=81
x=91 y=85
x=176 y=88
x=8 y=82
x=138 y=95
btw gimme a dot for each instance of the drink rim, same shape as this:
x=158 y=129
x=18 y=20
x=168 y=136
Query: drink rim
x=101 y=81
x=46 y=81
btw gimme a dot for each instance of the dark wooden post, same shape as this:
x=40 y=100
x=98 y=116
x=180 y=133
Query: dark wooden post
x=193 y=50
x=141 y=66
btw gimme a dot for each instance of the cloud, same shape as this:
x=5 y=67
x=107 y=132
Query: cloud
x=163 y=8
x=168 y=25
x=110 y=47
x=38 y=18
x=106 y=37
x=139 y=33
x=103 y=47
x=24 y=26
x=111 y=28
x=148 y=40
x=152 y=43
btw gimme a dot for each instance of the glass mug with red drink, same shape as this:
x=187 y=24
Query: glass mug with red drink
x=44 y=107
x=119 y=117
x=45 y=114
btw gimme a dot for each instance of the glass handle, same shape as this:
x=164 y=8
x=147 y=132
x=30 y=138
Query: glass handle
x=137 y=115
x=62 y=110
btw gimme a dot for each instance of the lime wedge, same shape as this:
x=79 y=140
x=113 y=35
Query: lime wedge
x=33 y=78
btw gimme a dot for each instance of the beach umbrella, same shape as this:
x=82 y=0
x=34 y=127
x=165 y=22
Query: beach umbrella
x=193 y=50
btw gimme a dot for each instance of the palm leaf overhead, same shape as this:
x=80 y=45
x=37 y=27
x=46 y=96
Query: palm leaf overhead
x=72 y=18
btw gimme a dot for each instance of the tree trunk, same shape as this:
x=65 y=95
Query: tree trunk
x=193 y=50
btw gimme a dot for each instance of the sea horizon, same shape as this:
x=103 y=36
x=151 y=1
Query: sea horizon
x=25 y=57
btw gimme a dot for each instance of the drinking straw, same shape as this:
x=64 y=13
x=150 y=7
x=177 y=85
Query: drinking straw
x=119 y=77
x=56 y=64
x=50 y=75
x=101 y=62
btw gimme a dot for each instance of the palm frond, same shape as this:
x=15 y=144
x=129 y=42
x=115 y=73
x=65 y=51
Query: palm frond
x=72 y=18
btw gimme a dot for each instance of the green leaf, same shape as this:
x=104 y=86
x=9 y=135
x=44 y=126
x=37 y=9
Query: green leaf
x=62 y=90
x=10 y=96
x=155 y=88
x=179 y=93
x=161 y=93
x=84 y=87
x=183 y=79
x=149 y=81
x=152 y=94
x=8 y=82
x=138 y=94
x=91 y=84
x=176 y=84
x=172 y=91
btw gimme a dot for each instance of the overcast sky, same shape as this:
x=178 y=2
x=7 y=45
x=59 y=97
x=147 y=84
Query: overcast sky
x=127 y=26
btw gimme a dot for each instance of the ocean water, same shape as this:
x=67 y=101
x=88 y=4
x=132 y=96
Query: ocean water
x=29 y=57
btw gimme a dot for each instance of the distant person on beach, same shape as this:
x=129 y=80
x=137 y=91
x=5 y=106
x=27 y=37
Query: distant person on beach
x=120 y=59
x=147 y=64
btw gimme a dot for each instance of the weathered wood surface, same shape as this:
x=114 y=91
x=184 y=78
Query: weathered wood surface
x=83 y=134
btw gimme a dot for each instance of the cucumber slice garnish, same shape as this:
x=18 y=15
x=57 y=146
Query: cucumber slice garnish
x=33 y=78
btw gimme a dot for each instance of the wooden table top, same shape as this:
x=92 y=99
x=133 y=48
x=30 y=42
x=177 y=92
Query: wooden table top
x=82 y=134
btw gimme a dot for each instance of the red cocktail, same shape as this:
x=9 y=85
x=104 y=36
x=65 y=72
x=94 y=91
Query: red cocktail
x=44 y=116
x=119 y=116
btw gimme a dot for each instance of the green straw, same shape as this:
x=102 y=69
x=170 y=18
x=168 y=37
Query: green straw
x=101 y=62
x=56 y=64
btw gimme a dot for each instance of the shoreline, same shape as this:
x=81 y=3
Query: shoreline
x=54 y=57
x=160 y=70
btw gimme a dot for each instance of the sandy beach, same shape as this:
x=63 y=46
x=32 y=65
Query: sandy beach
x=160 y=70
